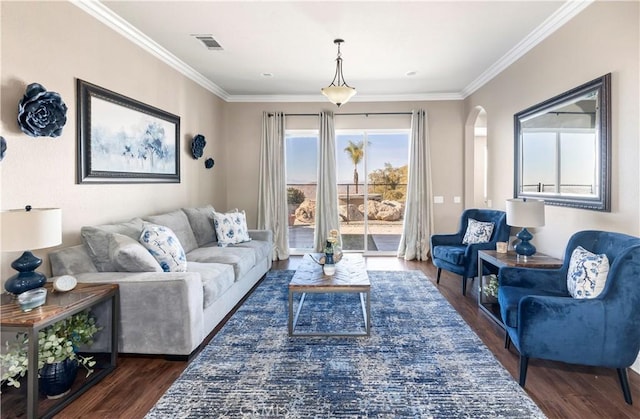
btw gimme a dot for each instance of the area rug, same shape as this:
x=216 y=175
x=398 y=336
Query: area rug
x=421 y=360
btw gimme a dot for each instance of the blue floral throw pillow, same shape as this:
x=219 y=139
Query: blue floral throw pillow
x=587 y=274
x=164 y=246
x=477 y=232
x=231 y=227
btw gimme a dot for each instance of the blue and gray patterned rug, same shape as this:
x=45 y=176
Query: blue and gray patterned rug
x=421 y=360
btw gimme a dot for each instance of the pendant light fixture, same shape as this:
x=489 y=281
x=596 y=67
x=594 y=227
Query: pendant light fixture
x=338 y=92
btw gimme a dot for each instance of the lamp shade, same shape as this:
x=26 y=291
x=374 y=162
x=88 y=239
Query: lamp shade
x=36 y=228
x=525 y=212
x=338 y=94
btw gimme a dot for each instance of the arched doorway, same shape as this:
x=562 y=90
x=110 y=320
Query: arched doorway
x=476 y=193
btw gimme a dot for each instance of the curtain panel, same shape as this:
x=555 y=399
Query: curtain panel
x=418 y=214
x=327 y=215
x=272 y=191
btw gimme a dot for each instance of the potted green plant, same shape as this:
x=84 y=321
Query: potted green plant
x=58 y=359
x=295 y=197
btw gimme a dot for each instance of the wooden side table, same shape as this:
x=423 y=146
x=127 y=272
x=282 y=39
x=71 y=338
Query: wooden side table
x=493 y=258
x=57 y=307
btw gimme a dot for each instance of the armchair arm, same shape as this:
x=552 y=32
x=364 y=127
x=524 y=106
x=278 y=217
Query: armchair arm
x=564 y=329
x=548 y=279
x=160 y=312
x=445 y=239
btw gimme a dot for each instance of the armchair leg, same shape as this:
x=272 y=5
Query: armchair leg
x=507 y=340
x=624 y=382
x=464 y=285
x=438 y=275
x=524 y=363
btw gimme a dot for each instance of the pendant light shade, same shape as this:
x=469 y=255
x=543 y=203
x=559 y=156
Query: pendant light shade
x=338 y=92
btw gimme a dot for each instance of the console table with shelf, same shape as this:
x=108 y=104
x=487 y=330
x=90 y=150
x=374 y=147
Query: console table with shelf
x=539 y=260
x=58 y=306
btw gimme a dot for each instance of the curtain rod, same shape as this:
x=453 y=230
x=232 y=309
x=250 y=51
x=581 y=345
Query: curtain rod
x=348 y=114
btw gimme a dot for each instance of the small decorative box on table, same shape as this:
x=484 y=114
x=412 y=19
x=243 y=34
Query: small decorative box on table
x=491 y=257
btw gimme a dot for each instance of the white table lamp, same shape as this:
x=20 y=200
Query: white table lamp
x=24 y=230
x=525 y=213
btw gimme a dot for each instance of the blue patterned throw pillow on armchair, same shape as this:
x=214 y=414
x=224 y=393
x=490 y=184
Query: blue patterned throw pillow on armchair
x=477 y=232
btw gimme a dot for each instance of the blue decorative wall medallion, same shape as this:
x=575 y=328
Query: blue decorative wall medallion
x=208 y=163
x=197 y=146
x=41 y=113
x=3 y=147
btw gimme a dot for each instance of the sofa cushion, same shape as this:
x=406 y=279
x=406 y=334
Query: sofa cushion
x=241 y=258
x=453 y=254
x=71 y=261
x=96 y=239
x=587 y=273
x=478 y=232
x=216 y=279
x=128 y=255
x=163 y=245
x=178 y=222
x=231 y=227
x=201 y=220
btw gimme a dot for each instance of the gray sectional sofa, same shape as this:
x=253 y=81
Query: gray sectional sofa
x=168 y=313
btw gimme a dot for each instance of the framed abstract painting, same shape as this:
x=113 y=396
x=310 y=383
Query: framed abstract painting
x=122 y=140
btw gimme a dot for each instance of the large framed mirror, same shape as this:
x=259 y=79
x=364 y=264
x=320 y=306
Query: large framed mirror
x=563 y=148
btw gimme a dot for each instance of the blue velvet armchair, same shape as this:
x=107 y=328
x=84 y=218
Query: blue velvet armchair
x=449 y=253
x=544 y=321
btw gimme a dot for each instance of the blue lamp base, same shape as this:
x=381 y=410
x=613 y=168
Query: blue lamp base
x=27 y=278
x=524 y=248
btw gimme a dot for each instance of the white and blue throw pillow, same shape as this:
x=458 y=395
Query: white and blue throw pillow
x=587 y=274
x=478 y=232
x=165 y=247
x=231 y=227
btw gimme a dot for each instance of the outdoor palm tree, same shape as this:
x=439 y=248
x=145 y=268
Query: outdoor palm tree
x=356 y=153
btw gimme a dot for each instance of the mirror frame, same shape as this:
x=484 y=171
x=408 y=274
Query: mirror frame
x=602 y=202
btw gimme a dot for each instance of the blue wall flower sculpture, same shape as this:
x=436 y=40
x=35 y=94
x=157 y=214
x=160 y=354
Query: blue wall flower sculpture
x=41 y=113
x=197 y=146
x=209 y=163
x=3 y=147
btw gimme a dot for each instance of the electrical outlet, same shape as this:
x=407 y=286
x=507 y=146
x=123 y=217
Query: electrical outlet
x=457 y=200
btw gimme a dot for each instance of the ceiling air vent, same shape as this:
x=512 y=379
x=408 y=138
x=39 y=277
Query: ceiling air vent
x=208 y=42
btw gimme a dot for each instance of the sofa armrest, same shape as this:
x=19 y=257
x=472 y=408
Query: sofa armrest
x=262 y=235
x=160 y=312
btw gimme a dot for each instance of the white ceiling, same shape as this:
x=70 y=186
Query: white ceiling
x=454 y=47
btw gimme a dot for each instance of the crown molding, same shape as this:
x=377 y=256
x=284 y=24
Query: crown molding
x=561 y=16
x=425 y=97
x=124 y=28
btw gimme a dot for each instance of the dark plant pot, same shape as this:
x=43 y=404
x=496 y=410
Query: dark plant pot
x=56 y=379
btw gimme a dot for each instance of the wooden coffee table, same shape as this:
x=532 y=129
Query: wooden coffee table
x=350 y=277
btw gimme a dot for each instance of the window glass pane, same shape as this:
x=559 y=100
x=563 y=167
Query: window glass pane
x=301 y=153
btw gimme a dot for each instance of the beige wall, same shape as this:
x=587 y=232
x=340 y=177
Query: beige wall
x=243 y=122
x=55 y=43
x=603 y=38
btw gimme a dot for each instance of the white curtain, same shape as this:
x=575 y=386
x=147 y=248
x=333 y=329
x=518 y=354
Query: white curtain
x=327 y=216
x=418 y=213
x=272 y=190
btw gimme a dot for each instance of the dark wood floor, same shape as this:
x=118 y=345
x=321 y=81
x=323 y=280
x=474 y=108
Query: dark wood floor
x=561 y=390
